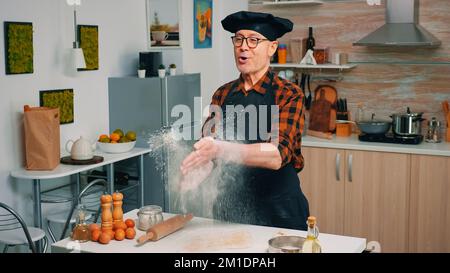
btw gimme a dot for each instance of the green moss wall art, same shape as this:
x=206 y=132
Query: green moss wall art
x=88 y=36
x=18 y=47
x=63 y=99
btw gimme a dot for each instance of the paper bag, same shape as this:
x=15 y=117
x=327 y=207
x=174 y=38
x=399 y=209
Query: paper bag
x=42 y=138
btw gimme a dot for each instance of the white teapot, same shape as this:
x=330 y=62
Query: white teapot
x=81 y=149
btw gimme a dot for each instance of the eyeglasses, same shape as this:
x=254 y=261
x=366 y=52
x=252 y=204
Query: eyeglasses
x=252 y=42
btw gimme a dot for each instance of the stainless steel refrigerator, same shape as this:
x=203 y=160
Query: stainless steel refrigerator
x=144 y=105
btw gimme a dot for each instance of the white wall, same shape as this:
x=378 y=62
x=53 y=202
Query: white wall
x=215 y=64
x=122 y=34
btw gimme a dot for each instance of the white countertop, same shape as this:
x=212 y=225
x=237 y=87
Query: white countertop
x=64 y=170
x=203 y=228
x=352 y=143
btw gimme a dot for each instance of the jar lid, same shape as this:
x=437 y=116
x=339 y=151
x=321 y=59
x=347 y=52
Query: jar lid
x=282 y=46
x=409 y=114
x=151 y=209
x=434 y=122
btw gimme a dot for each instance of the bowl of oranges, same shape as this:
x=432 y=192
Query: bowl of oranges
x=117 y=142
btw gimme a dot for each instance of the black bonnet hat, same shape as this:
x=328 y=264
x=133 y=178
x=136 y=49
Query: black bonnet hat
x=264 y=23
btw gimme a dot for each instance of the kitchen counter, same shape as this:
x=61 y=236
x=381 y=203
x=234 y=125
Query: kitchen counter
x=205 y=233
x=352 y=143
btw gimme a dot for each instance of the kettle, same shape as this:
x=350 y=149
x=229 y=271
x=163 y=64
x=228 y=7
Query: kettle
x=81 y=149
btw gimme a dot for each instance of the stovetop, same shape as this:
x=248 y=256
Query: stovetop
x=390 y=138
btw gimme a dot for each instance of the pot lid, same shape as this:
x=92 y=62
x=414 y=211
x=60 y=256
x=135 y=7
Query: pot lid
x=373 y=121
x=409 y=113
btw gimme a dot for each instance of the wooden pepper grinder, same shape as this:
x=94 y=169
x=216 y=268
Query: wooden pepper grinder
x=107 y=220
x=117 y=214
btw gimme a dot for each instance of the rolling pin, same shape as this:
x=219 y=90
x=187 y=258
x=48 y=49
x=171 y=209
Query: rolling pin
x=165 y=228
x=314 y=133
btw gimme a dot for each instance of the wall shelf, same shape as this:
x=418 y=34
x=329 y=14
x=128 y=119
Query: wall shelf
x=317 y=66
x=300 y=2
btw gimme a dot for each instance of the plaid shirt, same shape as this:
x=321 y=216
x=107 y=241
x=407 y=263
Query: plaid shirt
x=290 y=99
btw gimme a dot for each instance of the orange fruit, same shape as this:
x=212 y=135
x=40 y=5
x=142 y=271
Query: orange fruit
x=95 y=235
x=104 y=238
x=114 y=137
x=119 y=225
x=110 y=233
x=93 y=227
x=113 y=141
x=129 y=223
x=104 y=140
x=103 y=136
x=130 y=233
x=119 y=235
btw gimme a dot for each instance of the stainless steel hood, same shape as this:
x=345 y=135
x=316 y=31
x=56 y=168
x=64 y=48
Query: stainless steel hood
x=401 y=29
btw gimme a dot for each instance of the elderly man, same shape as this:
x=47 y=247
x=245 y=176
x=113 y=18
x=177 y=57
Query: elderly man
x=266 y=189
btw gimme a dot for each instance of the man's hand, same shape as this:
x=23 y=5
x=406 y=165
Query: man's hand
x=206 y=149
x=195 y=177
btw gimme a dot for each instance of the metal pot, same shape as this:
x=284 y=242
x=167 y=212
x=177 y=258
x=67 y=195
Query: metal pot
x=374 y=127
x=407 y=124
x=286 y=244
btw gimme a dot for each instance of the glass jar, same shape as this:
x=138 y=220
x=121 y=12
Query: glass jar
x=149 y=216
x=434 y=131
x=81 y=231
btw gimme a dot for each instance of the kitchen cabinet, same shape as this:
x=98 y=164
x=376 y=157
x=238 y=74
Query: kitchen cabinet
x=359 y=193
x=430 y=204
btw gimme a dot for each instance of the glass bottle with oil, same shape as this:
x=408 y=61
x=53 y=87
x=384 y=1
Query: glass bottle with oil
x=81 y=231
x=312 y=244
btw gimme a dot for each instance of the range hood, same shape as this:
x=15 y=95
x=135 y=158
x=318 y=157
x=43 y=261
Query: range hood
x=401 y=29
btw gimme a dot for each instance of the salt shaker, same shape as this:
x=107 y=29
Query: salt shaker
x=434 y=131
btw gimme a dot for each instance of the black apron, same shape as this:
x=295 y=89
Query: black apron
x=256 y=195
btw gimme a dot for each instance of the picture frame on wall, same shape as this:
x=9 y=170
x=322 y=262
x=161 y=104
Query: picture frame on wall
x=62 y=98
x=88 y=36
x=203 y=13
x=18 y=37
x=163 y=24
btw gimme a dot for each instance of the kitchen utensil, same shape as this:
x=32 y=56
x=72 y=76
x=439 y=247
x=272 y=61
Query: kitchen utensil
x=116 y=148
x=434 y=131
x=149 y=216
x=319 y=134
x=322 y=116
x=407 y=124
x=286 y=244
x=165 y=228
x=343 y=129
x=309 y=98
x=80 y=149
x=374 y=126
x=69 y=161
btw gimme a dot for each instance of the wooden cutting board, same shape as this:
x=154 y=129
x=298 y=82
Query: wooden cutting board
x=69 y=161
x=323 y=109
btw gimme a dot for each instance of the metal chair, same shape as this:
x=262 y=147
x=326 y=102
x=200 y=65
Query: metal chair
x=14 y=231
x=90 y=197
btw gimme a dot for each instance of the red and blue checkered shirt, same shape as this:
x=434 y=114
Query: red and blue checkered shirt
x=290 y=100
